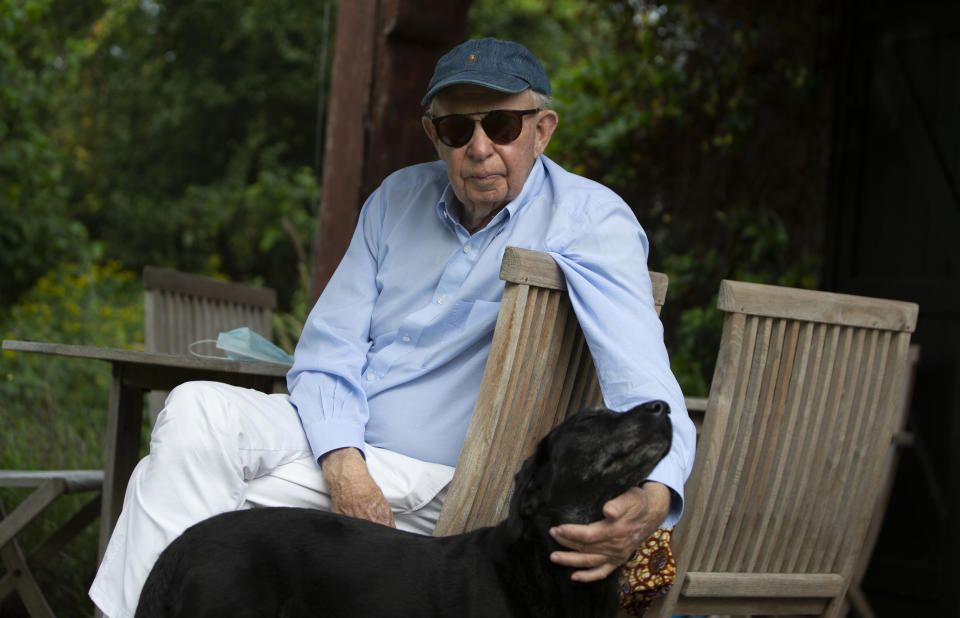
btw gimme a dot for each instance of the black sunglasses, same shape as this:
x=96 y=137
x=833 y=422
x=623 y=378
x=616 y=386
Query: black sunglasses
x=501 y=125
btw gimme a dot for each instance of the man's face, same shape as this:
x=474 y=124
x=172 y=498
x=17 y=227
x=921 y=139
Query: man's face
x=485 y=176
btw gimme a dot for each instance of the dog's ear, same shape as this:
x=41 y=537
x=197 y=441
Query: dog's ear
x=531 y=484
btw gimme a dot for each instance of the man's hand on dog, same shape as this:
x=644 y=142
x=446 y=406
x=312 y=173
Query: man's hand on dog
x=353 y=491
x=602 y=546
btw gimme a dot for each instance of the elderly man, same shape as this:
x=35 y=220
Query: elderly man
x=390 y=360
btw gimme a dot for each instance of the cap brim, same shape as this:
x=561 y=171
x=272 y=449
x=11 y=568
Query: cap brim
x=493 y=81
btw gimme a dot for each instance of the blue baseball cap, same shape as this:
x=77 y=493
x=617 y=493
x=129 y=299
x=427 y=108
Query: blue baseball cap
x=499 y=65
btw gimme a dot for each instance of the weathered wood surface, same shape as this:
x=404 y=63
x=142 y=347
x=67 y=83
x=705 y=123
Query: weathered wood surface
x=150 y=362
x=759 y=585
x=815 y=306
x=189 y=284
x=73 y=480
x=798 y=426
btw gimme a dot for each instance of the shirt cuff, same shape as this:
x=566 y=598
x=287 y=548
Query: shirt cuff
x=669 y=474
x=330 y=434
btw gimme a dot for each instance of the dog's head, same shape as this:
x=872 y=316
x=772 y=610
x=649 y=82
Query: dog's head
x=590 y=458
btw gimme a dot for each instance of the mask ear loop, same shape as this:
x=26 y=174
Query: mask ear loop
x=210 y=356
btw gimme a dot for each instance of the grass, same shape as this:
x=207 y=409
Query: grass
x=40 y=433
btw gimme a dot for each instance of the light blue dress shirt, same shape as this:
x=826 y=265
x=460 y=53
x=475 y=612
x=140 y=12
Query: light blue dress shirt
x=393 y=352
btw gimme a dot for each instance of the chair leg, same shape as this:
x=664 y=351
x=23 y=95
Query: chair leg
x=23 y=582
x=27 y=510
x=858 y=600
x=20 y=578
x=65 y=533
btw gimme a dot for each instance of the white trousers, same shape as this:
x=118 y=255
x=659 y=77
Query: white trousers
x=218 y=448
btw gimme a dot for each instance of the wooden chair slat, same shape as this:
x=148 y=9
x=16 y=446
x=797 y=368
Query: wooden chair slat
x=815 y=306
x=191 y=285
x=781 y=433
x=759 y=585
x=793 y=361
x=756 y=482
x=750 y=606
x=180 y=308
x=73 y=480
x=820 y=449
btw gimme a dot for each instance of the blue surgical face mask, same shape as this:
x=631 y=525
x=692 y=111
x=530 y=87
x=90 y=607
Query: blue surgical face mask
x=243 y=344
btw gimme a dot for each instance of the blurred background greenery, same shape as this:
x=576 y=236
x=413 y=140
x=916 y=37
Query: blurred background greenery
x=185 y=134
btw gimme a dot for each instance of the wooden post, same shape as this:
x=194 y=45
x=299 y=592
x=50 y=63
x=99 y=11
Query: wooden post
x=383 y=59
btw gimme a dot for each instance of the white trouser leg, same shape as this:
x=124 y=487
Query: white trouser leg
x=414 y=489
x=217 y=448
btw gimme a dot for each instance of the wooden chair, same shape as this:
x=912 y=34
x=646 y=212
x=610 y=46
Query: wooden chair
x=799 y=422
x=48 y=486
x=181 y=308
x=539 y=372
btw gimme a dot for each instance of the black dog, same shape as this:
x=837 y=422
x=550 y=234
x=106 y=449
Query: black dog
x=305 y=562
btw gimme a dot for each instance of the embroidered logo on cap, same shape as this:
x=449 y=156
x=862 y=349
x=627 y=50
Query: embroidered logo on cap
x=471 y=58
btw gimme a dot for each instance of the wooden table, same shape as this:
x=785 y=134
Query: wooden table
x=133 y=374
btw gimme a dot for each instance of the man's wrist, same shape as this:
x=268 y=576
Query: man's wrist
x=659 y=498
x=339 y=454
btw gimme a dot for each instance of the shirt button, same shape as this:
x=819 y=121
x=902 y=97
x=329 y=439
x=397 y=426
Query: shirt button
x=371 y=376
x=441 y=300
x=406 y=337
x=466 y=249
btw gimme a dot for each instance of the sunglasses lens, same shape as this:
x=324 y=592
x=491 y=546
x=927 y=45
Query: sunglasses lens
x=455 y=131
x=502 y=126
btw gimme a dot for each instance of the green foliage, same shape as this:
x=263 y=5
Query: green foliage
x=35 y=229
x=54 y=409
x=176 y=133
x=204 y=113
x=710 y=119
x=287 y=326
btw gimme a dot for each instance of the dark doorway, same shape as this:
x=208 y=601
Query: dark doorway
x=894 y=232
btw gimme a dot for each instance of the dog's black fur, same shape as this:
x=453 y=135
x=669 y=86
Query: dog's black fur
x=305 y=562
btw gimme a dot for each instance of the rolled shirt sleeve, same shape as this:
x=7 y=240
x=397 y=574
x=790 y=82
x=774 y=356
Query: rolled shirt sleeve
x=605 y=266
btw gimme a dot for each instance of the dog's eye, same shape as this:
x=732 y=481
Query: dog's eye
x=613 y=459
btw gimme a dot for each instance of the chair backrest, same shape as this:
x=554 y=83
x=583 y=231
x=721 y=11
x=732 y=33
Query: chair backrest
x=799 y=421
x=180 y=308
x=539 y=372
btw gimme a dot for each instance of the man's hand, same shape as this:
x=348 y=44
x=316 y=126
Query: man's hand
x=353 y=491
x=602 y=546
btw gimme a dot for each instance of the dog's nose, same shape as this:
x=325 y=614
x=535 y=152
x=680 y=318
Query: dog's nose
x=659 y=407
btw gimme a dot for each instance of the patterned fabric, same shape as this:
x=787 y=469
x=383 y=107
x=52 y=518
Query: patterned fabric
x=649 y=574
